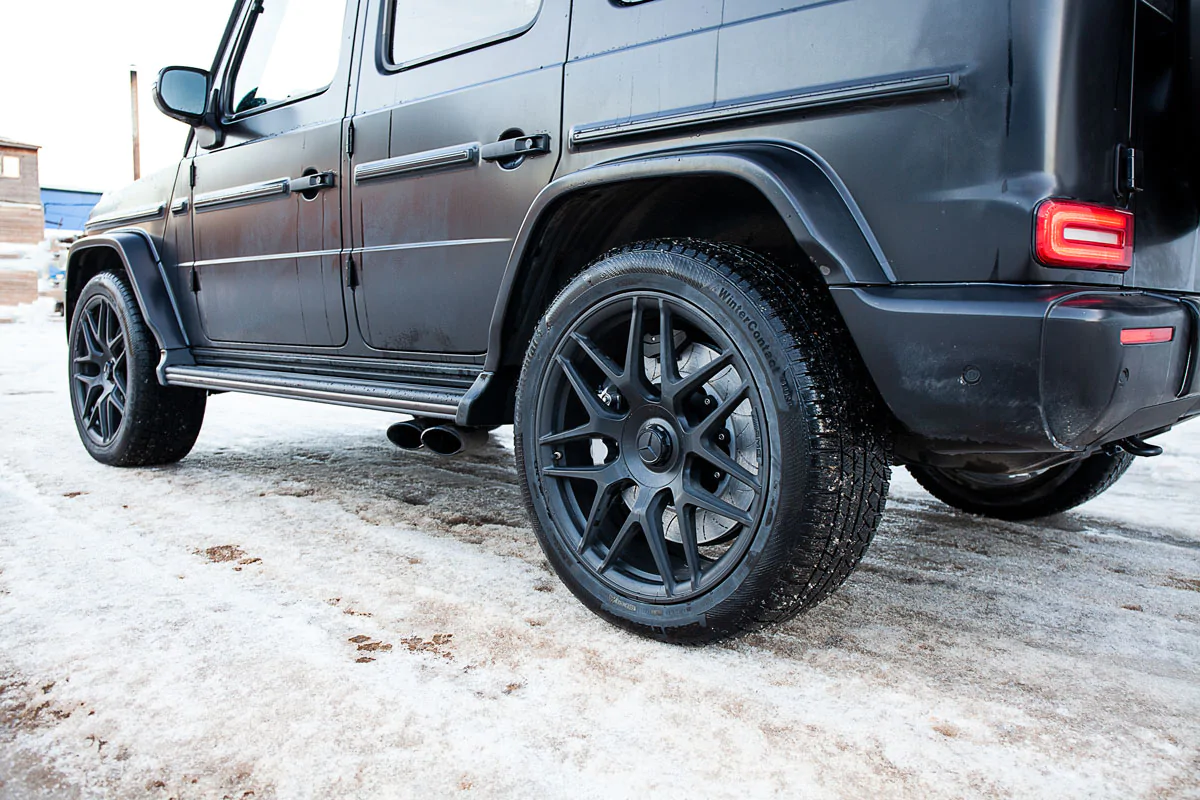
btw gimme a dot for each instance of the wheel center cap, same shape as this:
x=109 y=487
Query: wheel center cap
x=654 y=444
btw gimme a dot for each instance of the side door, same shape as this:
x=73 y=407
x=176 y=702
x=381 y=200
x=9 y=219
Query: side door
x=267 y=224
x=455 y=133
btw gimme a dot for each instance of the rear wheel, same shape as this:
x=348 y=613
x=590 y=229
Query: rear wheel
x=125 y=418
x=1024 y=496
x=699 y=452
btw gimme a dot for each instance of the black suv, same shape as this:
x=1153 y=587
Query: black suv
x=721 y=262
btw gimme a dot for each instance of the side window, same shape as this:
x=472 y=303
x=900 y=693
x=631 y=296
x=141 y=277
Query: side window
x=422 y=29
x=293 y=51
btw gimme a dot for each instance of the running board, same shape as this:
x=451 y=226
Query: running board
x=425 y=401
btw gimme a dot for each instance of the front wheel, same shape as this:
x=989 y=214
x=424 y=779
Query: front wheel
x=1024 y=496
x=125 y=418
x=700 y=449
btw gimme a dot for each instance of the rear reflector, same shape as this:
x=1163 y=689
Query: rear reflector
x=1147 y=335
x=1082 y=236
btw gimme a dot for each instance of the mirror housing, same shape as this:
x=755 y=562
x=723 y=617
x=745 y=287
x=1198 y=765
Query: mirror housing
x=182 y=93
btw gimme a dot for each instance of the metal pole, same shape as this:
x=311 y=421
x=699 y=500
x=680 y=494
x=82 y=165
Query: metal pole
x=137 y=145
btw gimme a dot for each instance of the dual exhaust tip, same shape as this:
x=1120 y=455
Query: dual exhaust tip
x=438 y=437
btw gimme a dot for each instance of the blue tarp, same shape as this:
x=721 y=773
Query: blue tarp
x=68 y=209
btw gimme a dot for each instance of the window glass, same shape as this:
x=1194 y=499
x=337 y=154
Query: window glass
x=293 y=50
x=424 y=28
x=10 y=167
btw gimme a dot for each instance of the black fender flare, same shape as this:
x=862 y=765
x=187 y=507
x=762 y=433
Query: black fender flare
x=146 y=273
x=810 y=197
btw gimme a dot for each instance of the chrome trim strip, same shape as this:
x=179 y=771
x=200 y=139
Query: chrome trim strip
x=199 y=378
x=139 y=214
x=383 y=248
x=240 y=194
x=418 y=162
x=213 y=262
x=753 y=109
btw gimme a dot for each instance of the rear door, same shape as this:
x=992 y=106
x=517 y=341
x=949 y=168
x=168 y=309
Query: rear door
x=267 y=224
x=455 y=133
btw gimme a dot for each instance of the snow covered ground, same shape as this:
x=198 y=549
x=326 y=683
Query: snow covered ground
x=299 y=610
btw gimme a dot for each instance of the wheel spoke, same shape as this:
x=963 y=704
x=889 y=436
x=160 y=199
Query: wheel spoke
x=656 y=537
x=104 y=410
x=606 y=497
x=588 y=430
x=727 y=464
x=668 y=358
x=603 y=474
x=682 y=388
x=634 y=381
x=91 y=337
x=92 y=416
x=703 y=499
x=624 y=537
x=117 y=398
x=596 y=410
x=606 y=364
x=722 y=411
x=691 y=548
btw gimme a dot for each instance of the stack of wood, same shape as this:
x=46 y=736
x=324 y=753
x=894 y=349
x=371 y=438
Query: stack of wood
x=17 y=287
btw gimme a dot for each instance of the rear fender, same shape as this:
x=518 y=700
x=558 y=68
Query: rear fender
x=808 y=195
x=147 y=276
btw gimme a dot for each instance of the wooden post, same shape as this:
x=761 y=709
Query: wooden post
x=137 y=145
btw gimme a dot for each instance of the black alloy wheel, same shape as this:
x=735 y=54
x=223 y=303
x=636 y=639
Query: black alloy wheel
x=655 y=477
x=701 y=453
x=100 y=371
x=124 y=416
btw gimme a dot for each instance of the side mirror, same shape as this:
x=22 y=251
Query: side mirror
x=182 y=93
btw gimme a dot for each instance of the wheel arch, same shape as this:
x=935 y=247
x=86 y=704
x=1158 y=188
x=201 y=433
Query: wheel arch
x=778 y=199
x=132 y=253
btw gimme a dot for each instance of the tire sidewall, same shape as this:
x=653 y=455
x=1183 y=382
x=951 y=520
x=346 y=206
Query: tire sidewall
x=743 y=318
x=108 y=286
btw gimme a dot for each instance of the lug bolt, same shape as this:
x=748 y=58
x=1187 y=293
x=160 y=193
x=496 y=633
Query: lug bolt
x=610 y=397
x=708 y=401
x=558 y=455
x=717 y=475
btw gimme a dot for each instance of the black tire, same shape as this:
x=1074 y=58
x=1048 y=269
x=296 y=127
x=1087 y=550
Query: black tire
x=818 y=479
x=1023 y=497
x=124 y=417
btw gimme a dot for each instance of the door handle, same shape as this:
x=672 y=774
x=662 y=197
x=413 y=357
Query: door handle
x=513 y=149
x=311 y=184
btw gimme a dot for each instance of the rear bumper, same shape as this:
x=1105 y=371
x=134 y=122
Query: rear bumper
x=979 y=369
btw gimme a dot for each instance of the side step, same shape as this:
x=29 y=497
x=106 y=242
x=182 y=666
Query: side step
x=426 y=401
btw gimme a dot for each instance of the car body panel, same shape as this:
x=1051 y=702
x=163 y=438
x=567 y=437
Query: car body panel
x=904 y=147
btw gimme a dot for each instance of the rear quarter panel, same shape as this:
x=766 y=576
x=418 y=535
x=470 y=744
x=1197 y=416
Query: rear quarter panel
x=947 y=181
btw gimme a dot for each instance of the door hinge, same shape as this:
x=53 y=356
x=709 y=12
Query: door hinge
x=1130 y=168
x=350 y=140
x=351 y=272
x=195 y=280
x=192 y=175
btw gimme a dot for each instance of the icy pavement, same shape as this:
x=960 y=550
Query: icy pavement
x=299 y=610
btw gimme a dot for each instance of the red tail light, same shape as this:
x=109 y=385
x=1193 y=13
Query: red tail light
x=1082 y=236
x=1147 y=335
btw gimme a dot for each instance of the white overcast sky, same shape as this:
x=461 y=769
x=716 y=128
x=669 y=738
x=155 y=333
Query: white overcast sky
x=64 y=80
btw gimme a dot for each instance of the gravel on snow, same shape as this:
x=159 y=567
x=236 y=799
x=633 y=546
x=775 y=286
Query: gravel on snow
x=299 y=610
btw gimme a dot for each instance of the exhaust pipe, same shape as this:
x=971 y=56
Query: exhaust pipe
x=451 y=440
x=407 y=434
